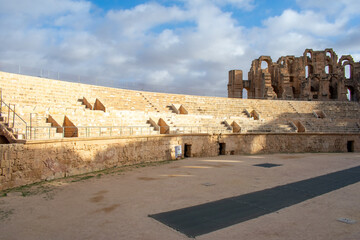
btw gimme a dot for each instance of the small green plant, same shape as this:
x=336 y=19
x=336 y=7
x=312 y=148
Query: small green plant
x=83 y=178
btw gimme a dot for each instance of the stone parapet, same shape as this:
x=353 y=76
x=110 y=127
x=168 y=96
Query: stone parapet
x=36 y=161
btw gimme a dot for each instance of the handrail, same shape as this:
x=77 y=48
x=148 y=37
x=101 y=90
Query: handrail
x=14 y=114
x=97 y=131
x=88 y=131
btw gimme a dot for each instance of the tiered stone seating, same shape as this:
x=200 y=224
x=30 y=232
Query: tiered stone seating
x=120 y=99
x=270 y=109
x=43 y=98
x=330 y=125
x=338 y=116
x=57 y=109
x=196 y=124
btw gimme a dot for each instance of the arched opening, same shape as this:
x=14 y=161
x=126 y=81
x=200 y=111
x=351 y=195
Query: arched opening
x=245 y=93
x=328 y=54
x=315 y=88
x=327 y=69
x=306 y=71
x=350 y=94
x=333 y=91
x=296 y=92
x=277 y=91
x=347 y=71
x=264 y=65
x=308 y=54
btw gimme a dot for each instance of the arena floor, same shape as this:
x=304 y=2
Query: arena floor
x=124 y=203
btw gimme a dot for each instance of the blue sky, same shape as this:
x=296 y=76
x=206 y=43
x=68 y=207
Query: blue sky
x=187 y=45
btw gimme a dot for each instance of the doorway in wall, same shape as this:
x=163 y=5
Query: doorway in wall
x=222 y=148
x=350 y=146
x=187 y=150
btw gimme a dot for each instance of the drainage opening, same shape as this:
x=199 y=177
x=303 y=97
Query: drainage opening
x=222 y=148
x=350 y=146
x=187 y=150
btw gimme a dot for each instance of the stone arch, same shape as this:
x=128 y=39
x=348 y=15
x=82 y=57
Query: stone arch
x=282 y=61
x=308 y=54
x=346 y=58
x=348 y=69
x=264 y=65
x=266 y=59
x=329 y=52
x=245 y=93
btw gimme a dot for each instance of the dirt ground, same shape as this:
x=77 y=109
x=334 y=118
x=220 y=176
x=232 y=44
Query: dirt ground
x=115 y=204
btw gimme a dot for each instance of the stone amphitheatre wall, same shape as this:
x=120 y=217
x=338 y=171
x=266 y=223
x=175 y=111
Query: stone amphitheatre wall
x=36 y=161
x=317 y=75
x=77 y=128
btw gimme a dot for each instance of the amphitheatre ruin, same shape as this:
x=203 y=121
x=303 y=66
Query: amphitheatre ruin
x=52 y=129
x=280 y=161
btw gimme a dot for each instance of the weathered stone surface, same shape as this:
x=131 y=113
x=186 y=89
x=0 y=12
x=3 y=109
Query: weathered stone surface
x=317 y=75
x=57 y=158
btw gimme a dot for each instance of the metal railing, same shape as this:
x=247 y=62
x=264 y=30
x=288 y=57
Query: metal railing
x=12 y=119
x=193 y=129
x=47 y=132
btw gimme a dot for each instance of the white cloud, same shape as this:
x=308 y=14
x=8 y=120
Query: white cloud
x=137 y=21
x=160 y=77
x=307 y=22
x=243 y=4
x=339 y=8
x=166 y=39
x=189 y=46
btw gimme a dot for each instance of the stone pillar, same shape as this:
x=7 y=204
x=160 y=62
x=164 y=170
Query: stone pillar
x=235 y=86
x=268 y=89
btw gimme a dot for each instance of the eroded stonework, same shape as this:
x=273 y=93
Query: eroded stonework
x=317 y=75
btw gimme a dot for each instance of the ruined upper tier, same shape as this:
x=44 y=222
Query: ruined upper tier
x=317 y=75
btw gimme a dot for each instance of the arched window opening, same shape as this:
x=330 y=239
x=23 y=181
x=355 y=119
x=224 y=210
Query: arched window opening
x=315 y=86
x=333 y=92
x=264 y=65
x=347 y=71
x=327 y=69
x=328 y=54
x=348 y=94
x=245 y=93
x=308 y=54
x=306 y=71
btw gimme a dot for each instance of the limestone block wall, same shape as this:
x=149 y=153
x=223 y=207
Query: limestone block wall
x=22 y=164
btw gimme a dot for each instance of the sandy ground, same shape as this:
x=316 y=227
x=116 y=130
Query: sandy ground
x=117 y=205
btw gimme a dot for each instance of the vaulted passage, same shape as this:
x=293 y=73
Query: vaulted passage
x=205 y=218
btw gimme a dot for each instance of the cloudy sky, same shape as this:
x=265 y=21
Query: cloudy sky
x=189 y=45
